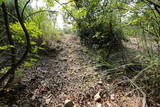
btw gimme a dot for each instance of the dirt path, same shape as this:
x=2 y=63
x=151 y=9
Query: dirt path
x=62 y=75
x=68 y=72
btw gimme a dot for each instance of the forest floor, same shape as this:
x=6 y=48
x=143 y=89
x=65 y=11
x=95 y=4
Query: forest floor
x=68 y=75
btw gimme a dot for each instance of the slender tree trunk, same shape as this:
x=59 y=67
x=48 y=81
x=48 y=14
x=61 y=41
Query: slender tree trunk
x=10 y=39
x=13 y=52
x=18 y=63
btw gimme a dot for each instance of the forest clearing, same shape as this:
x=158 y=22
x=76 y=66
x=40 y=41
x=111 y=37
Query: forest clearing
x=80 y=53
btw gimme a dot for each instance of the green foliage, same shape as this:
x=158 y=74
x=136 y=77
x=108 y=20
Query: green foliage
x=97 y=23
x=4 y=70
x=103 y=62
x=34 y=32
x=69 y=30
x=30 y=62
x=148 y=19
x=6 y=47
x=46 y=22
x=19 y=34
x=50 y=2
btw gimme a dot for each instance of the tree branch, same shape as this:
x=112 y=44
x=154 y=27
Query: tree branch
x=26 y=34
x=156 y=6
x=10 y=73
x=67 y=11
x=38 y=12
x=153 y=3
x=22 y=14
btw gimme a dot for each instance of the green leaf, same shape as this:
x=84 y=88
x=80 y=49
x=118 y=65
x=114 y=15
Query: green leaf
x=33 y=60
x=134 y=21
x=96 y=35
x=40 y=48
x=4 y=70
x=27 y=64
x=33 y=43
x=43 y=43
x=6 y=47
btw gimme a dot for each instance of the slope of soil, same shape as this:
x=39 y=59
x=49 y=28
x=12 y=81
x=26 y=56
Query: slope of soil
x=68 y=72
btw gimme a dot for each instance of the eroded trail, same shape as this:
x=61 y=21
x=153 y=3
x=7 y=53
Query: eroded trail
x=68 y=72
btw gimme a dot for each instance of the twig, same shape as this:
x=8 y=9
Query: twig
x=122 y=66
x=144 y=95
x=67 y=11
x=137 y=88
x=22 y=14
x=140 y=73
x=153 y=3
x=39 y=12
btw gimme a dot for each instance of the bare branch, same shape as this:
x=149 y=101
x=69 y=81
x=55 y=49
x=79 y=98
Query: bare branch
x=140 y=73
x=39 y=12
x=153 y=3
x=156 y=6
x=22 y=14
x=67 y=10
